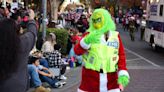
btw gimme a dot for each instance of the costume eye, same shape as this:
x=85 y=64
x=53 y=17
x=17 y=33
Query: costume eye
x=99 y=20
x=94 y=20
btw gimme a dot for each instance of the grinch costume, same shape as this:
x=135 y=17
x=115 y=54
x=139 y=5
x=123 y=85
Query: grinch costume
x=103 y=55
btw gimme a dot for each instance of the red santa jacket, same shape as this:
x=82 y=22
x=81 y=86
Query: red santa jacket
x=93 y=81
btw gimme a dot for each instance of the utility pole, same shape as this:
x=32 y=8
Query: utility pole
x=4 y=3
x=44 y=5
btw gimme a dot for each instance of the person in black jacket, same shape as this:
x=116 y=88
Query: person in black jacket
x=14 y=52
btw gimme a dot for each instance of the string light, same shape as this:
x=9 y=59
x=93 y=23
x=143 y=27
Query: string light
x=151 y=1
x=157 y=1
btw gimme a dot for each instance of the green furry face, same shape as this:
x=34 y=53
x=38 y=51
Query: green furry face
x=101 y=21
x=98 y=20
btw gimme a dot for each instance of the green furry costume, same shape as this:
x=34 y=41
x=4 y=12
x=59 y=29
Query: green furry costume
x=98 y=52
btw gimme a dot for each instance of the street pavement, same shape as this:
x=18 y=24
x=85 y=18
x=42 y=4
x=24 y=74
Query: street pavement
x=145 y=76
x=145 y=67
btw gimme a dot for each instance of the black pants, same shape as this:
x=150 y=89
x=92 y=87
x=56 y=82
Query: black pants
x=132 y=34
x=142 y=33
x=63 y=69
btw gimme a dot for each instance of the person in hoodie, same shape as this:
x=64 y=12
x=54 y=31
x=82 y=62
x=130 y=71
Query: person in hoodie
x=14 y=52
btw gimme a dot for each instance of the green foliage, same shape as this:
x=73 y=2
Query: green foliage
x=61 y=37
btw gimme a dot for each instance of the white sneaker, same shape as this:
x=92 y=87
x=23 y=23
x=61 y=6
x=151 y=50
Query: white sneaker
x=68 y=68
x=59 y=84
x=63 y=82
x=63 y=77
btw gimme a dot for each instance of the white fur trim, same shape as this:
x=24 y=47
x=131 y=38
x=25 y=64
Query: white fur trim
x=115 y=90
x=123 y=72
x=103 y=82
x=84 y=45
x=79 y=90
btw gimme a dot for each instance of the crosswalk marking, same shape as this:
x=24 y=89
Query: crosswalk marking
x=145 y=67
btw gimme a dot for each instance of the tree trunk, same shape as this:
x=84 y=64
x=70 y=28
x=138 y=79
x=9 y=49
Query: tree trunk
x=54 y=9
x=25 y=3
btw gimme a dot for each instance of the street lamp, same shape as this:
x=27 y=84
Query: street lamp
x=4 y=3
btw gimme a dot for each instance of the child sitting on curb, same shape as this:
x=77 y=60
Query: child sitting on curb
x=38 y=72
x=55 y=61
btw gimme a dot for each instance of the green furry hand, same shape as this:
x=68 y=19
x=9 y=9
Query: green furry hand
x=93 y=37
x=123 y=80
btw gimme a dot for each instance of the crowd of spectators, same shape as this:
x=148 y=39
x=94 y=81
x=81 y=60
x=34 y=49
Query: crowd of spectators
x=23 y=67
x=20 y=70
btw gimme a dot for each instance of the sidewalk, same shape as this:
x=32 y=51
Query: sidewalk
x=73 y=78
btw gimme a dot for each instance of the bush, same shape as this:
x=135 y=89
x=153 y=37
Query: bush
x=61 y=37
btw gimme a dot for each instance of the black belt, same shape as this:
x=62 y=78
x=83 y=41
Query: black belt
x=101 y=71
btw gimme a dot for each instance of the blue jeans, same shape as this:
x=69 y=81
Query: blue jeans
x=44 y=62
x=34 y=76
x=48 y=80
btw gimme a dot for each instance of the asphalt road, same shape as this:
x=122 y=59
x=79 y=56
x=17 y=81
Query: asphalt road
x=145 y=65
x=142 y=48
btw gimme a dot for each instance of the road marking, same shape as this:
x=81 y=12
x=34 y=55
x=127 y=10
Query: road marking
x=133 y=59
x=142 y=58
x=127 y=52
x=144 y=67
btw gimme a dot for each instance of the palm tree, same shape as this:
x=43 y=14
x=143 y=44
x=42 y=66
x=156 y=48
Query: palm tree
x=25 y=2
